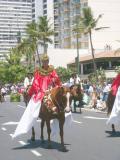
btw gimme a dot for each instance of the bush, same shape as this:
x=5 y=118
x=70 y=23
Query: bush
x=15 y=97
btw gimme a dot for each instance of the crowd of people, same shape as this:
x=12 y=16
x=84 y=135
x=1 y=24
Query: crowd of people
x=94 y=95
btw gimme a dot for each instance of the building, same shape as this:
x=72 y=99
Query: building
x=63 y=14
x=110 y=9
x=37 y=9
x=14 y=15
x=107 y=60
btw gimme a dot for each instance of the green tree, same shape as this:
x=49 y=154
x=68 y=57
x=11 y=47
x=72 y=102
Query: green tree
x=78 y=30
x=64 y=73
x=100 y=74
x=45 y=31
x=27 y=50
x=90 y=24
x=39 y=33
x=12 y=70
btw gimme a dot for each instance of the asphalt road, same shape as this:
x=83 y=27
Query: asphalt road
x=88 y=138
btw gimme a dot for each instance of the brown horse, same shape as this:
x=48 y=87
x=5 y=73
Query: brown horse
x=26 y=97
x=54 y=107
x=109 y=104
x=77 y=96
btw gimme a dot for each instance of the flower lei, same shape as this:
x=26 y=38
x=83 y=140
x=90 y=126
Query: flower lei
x=45 y=72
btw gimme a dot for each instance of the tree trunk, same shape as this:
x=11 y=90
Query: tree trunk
x=92 y=51
x=38 y=56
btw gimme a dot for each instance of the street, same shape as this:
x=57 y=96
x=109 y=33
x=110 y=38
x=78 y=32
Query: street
x=88 y=138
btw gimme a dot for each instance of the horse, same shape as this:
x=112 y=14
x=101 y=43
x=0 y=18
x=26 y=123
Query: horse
x=77 y=96
x=109 y=103
x=54 y=105
x=26 y=97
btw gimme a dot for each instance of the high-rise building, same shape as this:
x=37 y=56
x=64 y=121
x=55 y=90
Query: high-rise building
x=14 y=15
x=63 y=15
x=37 y=9
x=110 y=10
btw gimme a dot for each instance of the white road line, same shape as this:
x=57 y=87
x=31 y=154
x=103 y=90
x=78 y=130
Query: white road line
x=21 y=106
x=4 y=129
x=10 y=123
x=76 y=121
x=36 y=153
x=22 y=143
x=90 y=117
x=11 y=135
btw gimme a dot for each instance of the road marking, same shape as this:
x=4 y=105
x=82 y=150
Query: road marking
x=22 y=143
x=21 y=106
x=90 y=117
x=10 y=123
x=4 y=129
x=76 y=121
x=11 y=135
x=36 y=153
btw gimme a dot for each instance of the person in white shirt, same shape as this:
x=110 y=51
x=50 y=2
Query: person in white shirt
x=28 y=80
x=72 y=80
x=77 y=80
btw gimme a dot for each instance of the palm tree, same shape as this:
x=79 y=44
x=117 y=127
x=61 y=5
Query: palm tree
x=32 y=32
x=78 y=30
x=27 y=48
x=45 y=31
x=39 y=33
x=90 y=23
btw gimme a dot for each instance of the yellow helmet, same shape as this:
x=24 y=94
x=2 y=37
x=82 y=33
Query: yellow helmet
x=44 y=57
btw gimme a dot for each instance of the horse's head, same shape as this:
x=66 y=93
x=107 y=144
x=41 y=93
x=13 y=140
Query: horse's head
x=76 y=92
x=61 y=97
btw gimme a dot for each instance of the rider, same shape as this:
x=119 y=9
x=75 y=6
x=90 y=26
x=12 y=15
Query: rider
x=43 y=78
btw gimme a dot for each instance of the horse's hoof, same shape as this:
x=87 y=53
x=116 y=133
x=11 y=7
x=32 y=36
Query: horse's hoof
x=32 y=138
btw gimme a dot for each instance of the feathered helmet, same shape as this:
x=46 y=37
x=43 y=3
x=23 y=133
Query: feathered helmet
x=44 y=57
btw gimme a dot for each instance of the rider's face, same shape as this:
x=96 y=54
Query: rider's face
x=45 y=64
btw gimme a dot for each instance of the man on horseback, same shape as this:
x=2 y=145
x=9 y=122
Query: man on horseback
x=44 y=78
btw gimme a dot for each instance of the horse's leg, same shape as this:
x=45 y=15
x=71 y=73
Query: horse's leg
x=61 y=124
x=42 y=126
x=113 y=128
x=48 y=131
x=33 y=134
x=74 y=105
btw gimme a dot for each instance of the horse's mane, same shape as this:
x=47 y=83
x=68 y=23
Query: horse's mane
x=57 y=95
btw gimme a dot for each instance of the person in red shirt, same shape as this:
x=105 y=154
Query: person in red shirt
x=44 y=78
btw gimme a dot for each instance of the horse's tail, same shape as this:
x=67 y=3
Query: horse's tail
x=110 y=102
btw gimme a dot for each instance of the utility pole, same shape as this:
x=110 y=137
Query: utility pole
x=77 y=45
x=77 y=36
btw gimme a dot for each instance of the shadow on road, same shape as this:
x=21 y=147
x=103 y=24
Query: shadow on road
x=113 y=134
x=40 y=144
